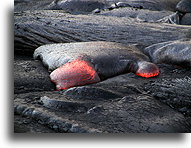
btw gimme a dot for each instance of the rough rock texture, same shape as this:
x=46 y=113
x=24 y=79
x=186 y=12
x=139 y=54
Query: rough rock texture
x=87 y=6
x=30 y=75
x=186 y=19
x=121 y=104
x=27 y=125
x=125 y=103
x=23 y=5
x=36 y=28
x=78 y=6
x=141 y=15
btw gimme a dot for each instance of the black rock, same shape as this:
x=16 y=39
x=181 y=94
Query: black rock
x=186 y=19
x=184 y=6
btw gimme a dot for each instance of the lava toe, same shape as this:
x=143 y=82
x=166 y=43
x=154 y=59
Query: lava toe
x=147 y=69
x=75 y=73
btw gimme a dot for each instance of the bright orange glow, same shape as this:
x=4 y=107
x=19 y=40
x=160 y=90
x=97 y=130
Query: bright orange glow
x=147 y=69
x=75 y=73
x=148 y=75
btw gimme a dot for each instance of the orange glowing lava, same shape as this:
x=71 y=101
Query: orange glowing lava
x=148 y=75
x=75 y=73
x=147 y=69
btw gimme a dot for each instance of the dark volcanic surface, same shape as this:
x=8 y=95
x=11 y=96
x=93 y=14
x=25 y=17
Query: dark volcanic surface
x=125 y=103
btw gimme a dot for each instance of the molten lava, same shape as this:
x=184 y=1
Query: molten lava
x=75 y=73
x=147 y=69
x=148 y=75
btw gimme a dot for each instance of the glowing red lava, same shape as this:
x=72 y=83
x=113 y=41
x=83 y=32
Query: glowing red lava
x=148 y=75
x=147 y=70
x=75 y=73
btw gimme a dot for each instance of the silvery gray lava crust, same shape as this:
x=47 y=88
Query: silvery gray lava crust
x=107 y=58
x=172 y=52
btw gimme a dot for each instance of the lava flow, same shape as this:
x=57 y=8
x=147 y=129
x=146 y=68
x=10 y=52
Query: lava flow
x=147 y=70
x=75 y=73
x=148 y=75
